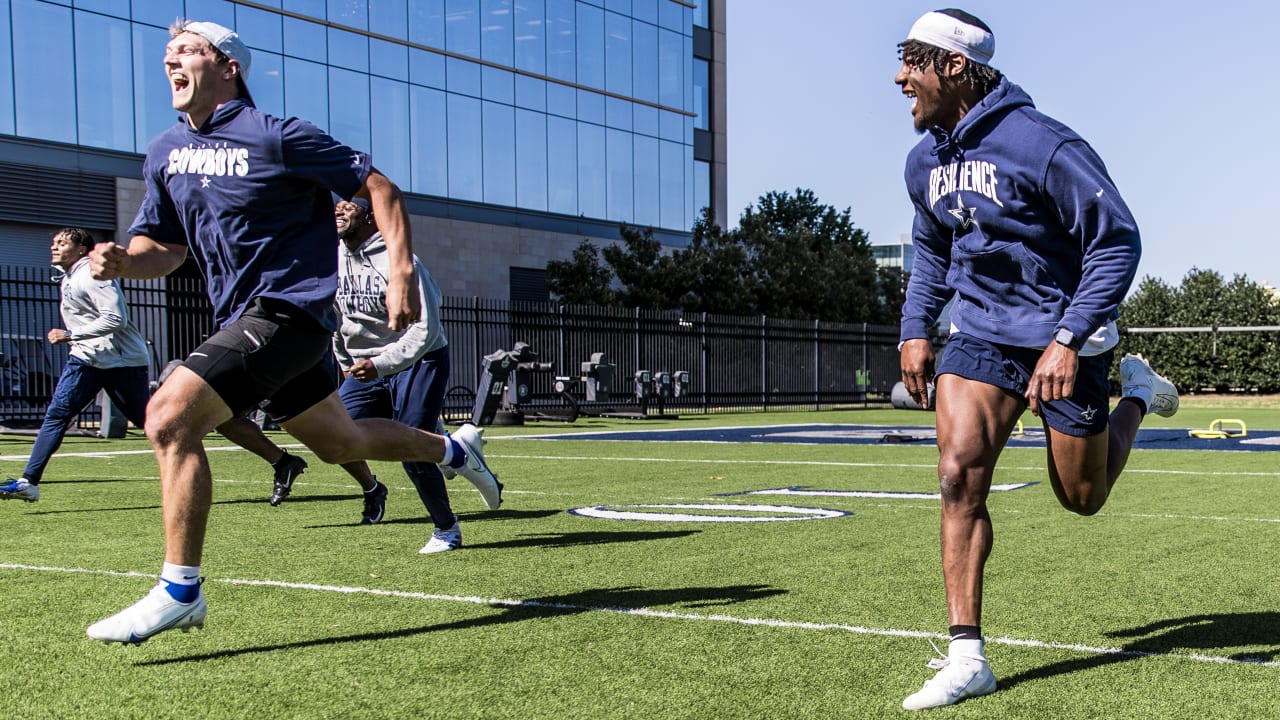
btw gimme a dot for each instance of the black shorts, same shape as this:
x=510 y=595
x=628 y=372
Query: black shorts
x=1084 y=414
x=274 y=356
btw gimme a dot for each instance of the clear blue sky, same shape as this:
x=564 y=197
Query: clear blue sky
x=1180 y=98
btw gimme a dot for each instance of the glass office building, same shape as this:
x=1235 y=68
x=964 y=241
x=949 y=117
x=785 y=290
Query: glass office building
x=517 y=127
x=901 y=254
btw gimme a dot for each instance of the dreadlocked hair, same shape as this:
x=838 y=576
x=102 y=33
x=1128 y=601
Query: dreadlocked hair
x=982 y=78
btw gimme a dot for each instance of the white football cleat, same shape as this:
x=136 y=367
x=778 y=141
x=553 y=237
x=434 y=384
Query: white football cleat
x=471 y=438
x=444 y=540
x=156 y=612
x=1138 y=380
x=958 y=678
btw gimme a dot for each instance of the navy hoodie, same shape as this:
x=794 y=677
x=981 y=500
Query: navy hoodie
x=251 y=196
x=1017 y=217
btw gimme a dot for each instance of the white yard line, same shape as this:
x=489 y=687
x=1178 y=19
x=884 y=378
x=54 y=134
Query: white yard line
x=667 y=615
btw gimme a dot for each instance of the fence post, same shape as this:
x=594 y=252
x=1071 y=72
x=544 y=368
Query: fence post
x=764 y=364
x=866 y=359
x=475 y=341
x=706 y=381
x=817 y=363
x=636 y=327
x=564 y=364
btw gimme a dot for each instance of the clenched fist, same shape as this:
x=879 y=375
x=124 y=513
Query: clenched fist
x=108 y=261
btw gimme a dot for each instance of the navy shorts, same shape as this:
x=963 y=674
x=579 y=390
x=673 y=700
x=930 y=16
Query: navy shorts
x=274 y=356
x=414 y=396
x=1083 y=414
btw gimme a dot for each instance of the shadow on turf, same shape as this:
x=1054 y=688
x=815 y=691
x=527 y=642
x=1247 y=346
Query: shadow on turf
x=584 y=538
x=1195 y=633
x=241 y=501
x=462 y=516
x=606 y=599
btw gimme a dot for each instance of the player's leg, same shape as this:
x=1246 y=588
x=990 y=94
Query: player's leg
x=183 y=410
x=1087 y=450
x=419 y=396
x=974 y=421
x=233 y=371
x=247 y=434
x=324 y=425
x=181 y=413
x=77 y=385
x=367 y=399
x=285 y=467
x=979 y=401
x=335 y=438
x=127 y=388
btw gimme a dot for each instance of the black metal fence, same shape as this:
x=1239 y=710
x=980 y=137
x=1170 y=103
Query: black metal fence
x=733 y=363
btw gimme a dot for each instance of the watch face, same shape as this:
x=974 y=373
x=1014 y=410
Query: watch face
x=1064 y=337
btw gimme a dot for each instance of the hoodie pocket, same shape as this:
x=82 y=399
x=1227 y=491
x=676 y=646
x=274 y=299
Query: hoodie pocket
x=1009 y=284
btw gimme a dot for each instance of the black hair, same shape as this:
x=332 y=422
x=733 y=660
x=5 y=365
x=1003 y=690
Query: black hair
x=980 y=77
x=917 y=54
x=79 y=236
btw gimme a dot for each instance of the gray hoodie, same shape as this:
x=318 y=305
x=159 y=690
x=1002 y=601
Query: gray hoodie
x=97 y=321
x=362 y=305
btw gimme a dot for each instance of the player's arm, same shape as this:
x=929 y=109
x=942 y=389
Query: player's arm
x=413 y=342
x=1090 y=207
x=927 y=293
x=927 y=290
x=404 y=305
x=142 y=260
x=111 y=312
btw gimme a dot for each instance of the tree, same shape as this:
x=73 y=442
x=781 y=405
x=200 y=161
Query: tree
x=791 y=257
x=716 y=269
x=808 y=261
x=1207 y=359
x=581 y=280
x=648 y=278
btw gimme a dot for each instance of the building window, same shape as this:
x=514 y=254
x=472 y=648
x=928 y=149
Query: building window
x=577 y=107
x=702 y=94
x=104 y=84
x=44 y=81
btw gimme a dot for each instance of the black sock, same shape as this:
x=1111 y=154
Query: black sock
x=1142 y=404
x=965 y=632
x=283 y=457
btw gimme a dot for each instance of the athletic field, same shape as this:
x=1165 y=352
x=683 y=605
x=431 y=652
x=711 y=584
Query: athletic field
x=739 y=566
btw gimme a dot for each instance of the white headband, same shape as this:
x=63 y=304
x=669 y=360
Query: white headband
x=942 y=30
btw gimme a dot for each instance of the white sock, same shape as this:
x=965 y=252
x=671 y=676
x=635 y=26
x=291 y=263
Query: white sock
x=180 y=574
x=966 y=648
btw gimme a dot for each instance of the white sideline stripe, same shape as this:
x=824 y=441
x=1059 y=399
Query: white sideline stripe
x=671 y=615
x=693 y=461
x=834 y=463
x=148 y=451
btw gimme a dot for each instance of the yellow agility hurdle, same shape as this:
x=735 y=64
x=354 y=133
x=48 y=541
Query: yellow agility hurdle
x=1221 y=428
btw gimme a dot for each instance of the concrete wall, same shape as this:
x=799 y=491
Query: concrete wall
x=474 y=259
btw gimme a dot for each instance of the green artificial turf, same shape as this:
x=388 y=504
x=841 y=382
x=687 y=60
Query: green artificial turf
x=1166 y=604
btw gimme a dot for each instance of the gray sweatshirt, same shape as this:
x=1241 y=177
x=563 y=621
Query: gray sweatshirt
x=362 y=305
x=97 y=320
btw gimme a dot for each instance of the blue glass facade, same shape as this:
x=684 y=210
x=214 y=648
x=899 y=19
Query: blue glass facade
x=573 y=107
